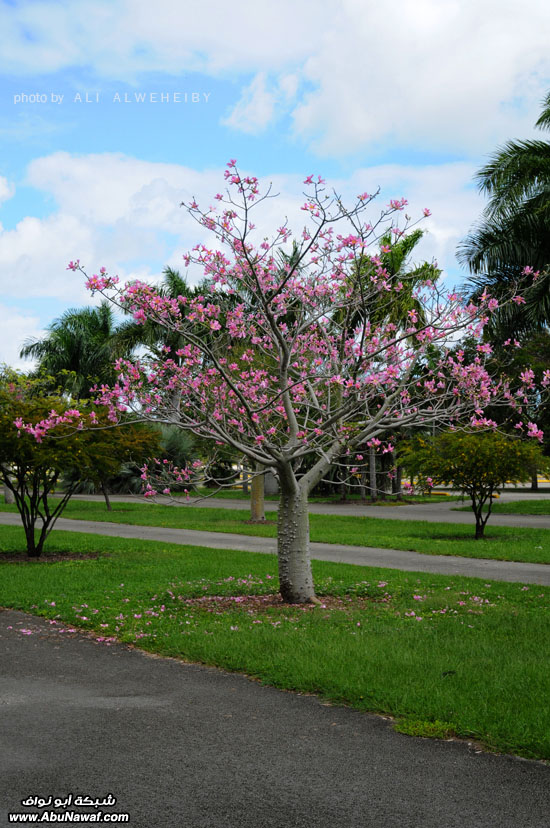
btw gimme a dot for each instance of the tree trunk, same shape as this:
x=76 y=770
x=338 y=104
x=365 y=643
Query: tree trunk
x=257 y=498
x=344 y=482
x=372 y=473
x=477 y=506
x=34 y=547
x=382 y=477
x=363 y=487
x=245 y=479
x=343 y=491
x=106 y=496
x=9 y=497
x=396 y=483
x=295 y=578
x=31 y=546
x=534 y=479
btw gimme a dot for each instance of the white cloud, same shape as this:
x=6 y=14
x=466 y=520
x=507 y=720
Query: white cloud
x=445 y=189
x=112 y=211
x=425 y=74
x=16 y=326
x=255 y=109
x=452 y=75
x=34 y=257
x=264 y=100
x=119 y=38
x=125 y=214
x=7 y=190
x=104 y=189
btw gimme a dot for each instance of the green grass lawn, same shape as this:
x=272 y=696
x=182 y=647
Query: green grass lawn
x=444 y=655
x=501 y=543
x=236 y=494
x=519 y=507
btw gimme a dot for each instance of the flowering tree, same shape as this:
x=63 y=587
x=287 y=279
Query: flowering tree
x=293 y=373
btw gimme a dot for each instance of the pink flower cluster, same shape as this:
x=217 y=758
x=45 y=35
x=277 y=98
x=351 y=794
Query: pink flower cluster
x=71 y=417
x=284 y=357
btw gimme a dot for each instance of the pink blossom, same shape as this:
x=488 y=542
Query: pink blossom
x=535 y=431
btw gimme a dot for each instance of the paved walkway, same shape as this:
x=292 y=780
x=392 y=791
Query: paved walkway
x=183 y=746
x=365 y=556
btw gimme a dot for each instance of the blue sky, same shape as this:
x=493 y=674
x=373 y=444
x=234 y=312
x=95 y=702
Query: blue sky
x=410 y=98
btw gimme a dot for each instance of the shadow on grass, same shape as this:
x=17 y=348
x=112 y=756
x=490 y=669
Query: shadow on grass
x=48 y=557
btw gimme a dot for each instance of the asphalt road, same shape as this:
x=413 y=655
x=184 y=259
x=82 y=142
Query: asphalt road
x=183 y=746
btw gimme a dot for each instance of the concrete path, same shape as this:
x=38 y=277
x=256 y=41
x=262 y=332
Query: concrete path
x=183 y=746
x=365 y=556
x=433 y=513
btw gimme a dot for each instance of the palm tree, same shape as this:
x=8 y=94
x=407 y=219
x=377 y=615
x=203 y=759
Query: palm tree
x=394 y=309
x=153 y=336
x=78 y=350
x=394 y=257
x=514 y=231
x=383 y=308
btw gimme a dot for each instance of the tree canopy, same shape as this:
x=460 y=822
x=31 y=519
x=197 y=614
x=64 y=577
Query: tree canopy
x=511 y=239
x=476 y=464
x=33 y=469
x=293 y=374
